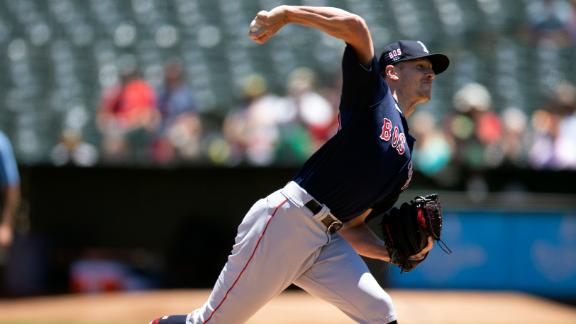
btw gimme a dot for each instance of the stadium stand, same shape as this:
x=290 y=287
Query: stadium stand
x=58 y=55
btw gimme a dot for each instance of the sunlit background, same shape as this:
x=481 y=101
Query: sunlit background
x=144 y=129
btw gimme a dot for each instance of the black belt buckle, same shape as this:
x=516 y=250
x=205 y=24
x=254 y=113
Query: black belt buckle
x=332 y=223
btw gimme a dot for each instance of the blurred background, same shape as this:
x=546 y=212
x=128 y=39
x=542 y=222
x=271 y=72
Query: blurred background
x=143 y=130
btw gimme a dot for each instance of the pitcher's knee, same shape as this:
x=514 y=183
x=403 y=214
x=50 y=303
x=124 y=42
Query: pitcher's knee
x=376 y=310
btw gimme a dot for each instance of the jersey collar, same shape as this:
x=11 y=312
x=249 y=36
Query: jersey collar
x=397 y=106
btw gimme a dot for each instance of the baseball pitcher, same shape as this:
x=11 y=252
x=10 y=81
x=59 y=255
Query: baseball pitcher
x=312 y=232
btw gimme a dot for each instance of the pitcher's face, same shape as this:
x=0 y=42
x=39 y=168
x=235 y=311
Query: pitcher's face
x=415 y=79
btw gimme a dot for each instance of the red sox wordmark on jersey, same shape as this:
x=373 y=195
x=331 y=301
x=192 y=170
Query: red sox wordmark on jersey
x=398 y=138
x=398 y=141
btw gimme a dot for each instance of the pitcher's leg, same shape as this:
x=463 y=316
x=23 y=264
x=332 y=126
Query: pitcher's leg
x=274 y=245
x=341 y=277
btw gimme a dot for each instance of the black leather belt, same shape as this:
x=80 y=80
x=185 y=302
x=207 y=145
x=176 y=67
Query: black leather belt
x=332 y=223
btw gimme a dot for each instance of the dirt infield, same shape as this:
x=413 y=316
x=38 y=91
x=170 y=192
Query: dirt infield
x=430 y=307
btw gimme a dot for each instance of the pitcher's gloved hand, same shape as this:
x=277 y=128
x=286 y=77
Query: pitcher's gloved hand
x=409 y=230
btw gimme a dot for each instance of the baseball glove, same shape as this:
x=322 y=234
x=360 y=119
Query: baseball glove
x=406 y=230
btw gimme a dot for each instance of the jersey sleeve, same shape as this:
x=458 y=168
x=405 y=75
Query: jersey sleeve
x=362 y=86
x=381 y=207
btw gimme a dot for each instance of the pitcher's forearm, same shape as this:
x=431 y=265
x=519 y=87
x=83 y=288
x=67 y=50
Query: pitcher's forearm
x=365 y=242
x=335 y=22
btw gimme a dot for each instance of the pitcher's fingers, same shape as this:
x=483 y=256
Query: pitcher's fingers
x=261 y=17
x=422 y=254
x=429 y=246
x=261 y=39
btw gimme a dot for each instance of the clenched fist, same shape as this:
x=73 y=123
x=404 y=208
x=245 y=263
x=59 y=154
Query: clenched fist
x=266 y=24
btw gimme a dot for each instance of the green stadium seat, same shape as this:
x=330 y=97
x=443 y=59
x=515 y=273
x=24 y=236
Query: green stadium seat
x=58 y=54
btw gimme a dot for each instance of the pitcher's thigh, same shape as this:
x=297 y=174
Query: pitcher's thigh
x=341 y=277
x=265 y=260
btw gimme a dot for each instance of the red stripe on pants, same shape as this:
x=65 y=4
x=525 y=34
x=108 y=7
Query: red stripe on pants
x=247 y=263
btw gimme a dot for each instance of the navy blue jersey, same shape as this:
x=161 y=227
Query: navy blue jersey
x=368 y=161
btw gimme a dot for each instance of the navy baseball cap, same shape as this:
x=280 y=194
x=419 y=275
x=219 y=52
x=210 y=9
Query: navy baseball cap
x=407 y=50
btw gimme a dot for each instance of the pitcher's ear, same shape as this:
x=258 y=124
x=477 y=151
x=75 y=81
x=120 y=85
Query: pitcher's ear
x=390 y=72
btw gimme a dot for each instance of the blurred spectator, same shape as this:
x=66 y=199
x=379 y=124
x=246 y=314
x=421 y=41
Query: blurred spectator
x=565 y=146
x=314 y=111
x=475 y=128
x=549 y=21
x=433 y=149
x=515 y=139
x=545 y=124
x=127 y=117
x=482 y=139
x=22 y=255
x=10 y=183
x=99 y=271
x=270 y=129
x=231 y=147
x=572 y=21
x=179 y=131
x=73 y=150
x=262 y=137
x=12 y=269
x=566 y=143
x=235 y=124
x=554 y=142
x=251 y=131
